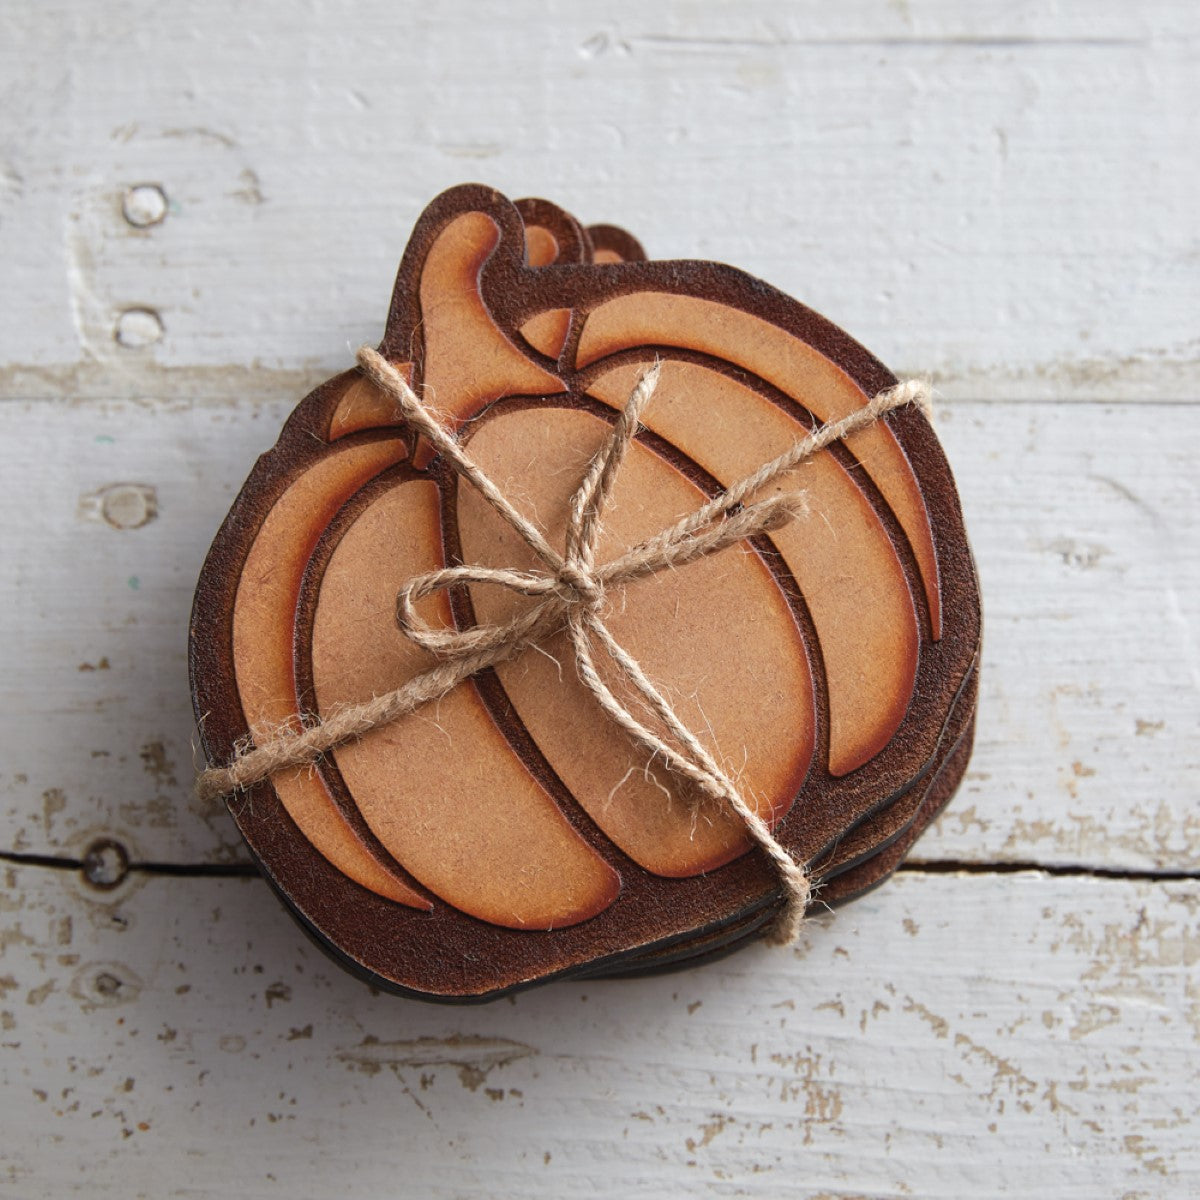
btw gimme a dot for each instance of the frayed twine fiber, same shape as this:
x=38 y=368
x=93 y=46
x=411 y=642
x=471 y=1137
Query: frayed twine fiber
x=570 y=592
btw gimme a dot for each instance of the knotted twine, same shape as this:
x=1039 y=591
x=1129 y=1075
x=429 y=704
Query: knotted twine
x=571 y=592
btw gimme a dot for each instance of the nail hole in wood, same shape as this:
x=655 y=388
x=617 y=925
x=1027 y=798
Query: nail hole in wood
x=105 y=864
x=107 y=984
x=138 y=328
x=144 y=205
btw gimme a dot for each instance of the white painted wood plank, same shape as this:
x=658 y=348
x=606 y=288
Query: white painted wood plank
x=98 y=590
x=1002 y=193
x=1083 y=522
x=1082 y=518
x=948 y=1037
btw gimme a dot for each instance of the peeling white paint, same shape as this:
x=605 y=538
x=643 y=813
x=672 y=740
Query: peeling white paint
x=998 y=1050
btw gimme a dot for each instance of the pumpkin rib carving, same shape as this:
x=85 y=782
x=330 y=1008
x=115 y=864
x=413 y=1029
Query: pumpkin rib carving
x=264 y=613
x=498 y=700
x=538 y=452
x=362 y=406
x=528 y=867
x=870 y=646
x=639 y=318
x=806 y=421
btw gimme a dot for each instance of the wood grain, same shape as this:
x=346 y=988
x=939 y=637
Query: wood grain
x=185 y=1020
x=997 y=193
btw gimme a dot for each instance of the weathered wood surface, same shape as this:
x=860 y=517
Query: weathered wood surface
x=182 y=1038
x=1002 y=194
x=998 y=192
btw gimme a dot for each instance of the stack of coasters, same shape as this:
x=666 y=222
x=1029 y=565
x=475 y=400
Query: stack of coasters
x=509 y=831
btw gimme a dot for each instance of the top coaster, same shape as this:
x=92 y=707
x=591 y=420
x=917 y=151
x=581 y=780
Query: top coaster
x=510 y=831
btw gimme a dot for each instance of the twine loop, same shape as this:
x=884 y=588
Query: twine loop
x=570 y=591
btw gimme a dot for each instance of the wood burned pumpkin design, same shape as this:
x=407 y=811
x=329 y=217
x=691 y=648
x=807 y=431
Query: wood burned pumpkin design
x=508 y=833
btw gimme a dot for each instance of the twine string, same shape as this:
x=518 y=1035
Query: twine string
x=570 y=591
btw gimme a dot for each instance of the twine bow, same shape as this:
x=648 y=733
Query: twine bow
x=570 y=592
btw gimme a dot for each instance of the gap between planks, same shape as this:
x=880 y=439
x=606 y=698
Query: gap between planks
x=943 y=866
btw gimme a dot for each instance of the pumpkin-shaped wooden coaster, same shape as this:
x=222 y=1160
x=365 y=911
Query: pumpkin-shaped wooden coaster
x=511 y=828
